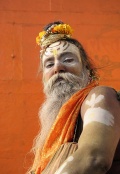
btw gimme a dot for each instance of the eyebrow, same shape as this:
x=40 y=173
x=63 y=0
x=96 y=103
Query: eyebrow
x=67 y=53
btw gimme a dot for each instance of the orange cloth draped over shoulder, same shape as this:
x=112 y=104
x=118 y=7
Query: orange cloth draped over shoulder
x=62 y=130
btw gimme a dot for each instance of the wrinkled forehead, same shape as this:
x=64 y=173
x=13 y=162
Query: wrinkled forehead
x=59 y=47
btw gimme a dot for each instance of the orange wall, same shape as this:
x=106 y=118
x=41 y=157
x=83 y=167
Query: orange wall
x=96 y=24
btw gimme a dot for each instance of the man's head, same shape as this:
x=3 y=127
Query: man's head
x=63 y=70
x=62 y=55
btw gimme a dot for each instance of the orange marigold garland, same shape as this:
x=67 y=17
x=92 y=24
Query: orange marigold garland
x=54 y=29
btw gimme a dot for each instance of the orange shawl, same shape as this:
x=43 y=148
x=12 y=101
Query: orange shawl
x=62 y=130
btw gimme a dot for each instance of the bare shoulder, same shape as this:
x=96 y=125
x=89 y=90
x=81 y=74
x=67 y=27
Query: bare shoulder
x=102 y=106
x=104 y=97
x=103 y=90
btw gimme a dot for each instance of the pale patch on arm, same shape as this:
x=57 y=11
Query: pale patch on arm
x=94 y=100
x=97 y=114
x=59 y=171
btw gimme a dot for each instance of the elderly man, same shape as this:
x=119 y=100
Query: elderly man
x=76 y=109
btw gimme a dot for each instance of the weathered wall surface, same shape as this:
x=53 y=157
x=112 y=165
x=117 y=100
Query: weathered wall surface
x=96 y=25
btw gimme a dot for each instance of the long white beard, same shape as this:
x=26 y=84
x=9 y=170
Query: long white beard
x=58 y=90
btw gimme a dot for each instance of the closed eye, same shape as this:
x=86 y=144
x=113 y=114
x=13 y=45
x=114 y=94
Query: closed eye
x=68 y=60
x=49 y=64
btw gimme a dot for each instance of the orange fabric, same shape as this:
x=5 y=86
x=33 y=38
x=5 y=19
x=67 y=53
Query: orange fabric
x=62 y=130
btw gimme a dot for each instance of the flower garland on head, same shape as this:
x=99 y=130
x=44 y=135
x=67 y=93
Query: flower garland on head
x=64 y=30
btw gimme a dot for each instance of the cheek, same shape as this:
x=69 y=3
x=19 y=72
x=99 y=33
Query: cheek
x=47 y=75
x=75 y=69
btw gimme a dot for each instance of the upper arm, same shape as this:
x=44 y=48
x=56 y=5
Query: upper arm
x=101 y=123
x=100 y=113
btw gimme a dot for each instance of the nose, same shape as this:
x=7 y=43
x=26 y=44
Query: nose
x=59 y=67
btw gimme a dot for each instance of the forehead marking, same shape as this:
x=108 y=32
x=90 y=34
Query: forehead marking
x=56 y=46
x=55 y=52
x=64 y=43
x=66 y=46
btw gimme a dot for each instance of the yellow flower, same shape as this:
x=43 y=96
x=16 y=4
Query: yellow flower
x=63 y=29
x=38 y=40
x=41 y=34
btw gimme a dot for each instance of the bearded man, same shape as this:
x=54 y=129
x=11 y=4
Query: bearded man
x=76 y=109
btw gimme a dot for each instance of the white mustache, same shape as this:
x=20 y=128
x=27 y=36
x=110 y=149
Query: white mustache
x=67 y=77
